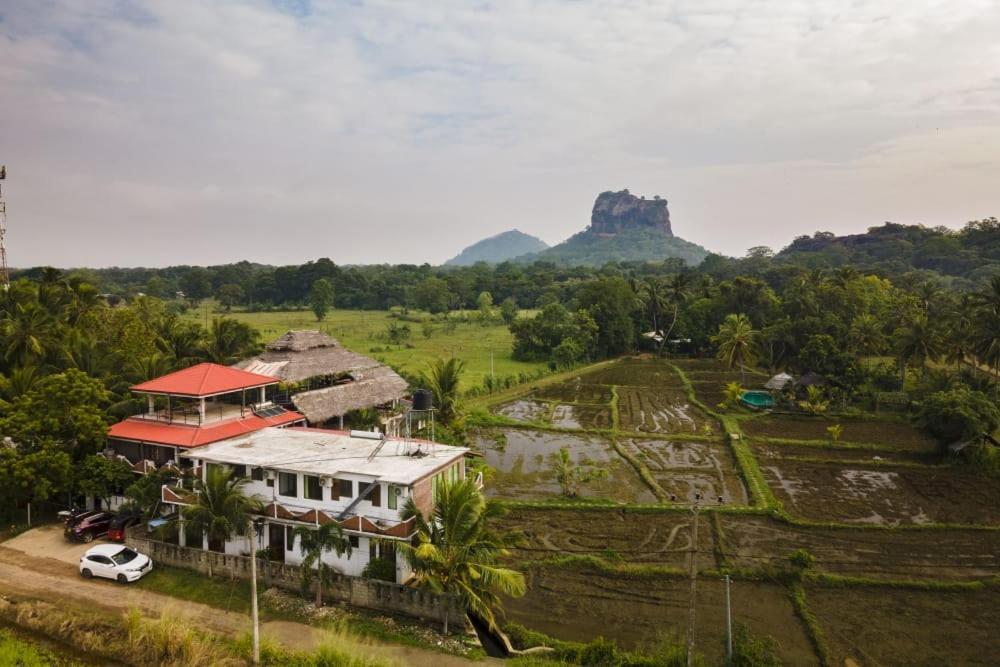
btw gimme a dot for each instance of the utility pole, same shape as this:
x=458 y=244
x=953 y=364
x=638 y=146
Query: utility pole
x=729 y=626
x=694 y=579
x=4 y=272
x=253 y=593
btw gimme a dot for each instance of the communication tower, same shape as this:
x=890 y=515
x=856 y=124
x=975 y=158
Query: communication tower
x=4 y=271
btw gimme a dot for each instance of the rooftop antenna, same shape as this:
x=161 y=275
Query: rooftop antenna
x=4 y=271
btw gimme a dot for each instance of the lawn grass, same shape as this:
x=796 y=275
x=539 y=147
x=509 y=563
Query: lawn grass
x=360 y=331
x=221 y=593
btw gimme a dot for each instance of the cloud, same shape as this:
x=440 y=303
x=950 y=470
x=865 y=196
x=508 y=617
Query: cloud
x=389 y=131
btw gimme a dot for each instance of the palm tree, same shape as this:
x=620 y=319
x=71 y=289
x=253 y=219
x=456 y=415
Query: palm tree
x=28 y=330
x=314 y=543
x=989 y=298
x=230 y=340
x=181 y=340
x=456 y=551
x=986 y=341
x=678 y=291
x=866 y=336
x=737 y=341
x=222 y=509
x=442 y=381
x=918 y=340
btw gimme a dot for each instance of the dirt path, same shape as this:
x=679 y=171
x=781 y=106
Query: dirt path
x=58 y=582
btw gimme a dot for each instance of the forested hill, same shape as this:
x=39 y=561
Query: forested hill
x=499 y=248
x=972 y=253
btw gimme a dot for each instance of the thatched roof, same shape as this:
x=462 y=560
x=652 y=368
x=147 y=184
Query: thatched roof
x=371 y=387
x=812 y=379
x=778 y=382
x=299 y=355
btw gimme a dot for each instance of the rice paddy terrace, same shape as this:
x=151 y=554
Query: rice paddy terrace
x=903 y=541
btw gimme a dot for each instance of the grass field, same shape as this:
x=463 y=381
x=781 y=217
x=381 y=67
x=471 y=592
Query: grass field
x=360 y=331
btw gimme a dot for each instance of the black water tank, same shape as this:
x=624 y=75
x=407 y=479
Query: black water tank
x=423 y=400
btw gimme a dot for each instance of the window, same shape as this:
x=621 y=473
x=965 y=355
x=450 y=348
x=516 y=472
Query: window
x=376 y=495
x=239 y=472
x=346 y=488
x=288 y=484
x=289 y=538
x=257 y=474
x=314 y=490
x=393 y=492
x=355 y=542
x=100 y=559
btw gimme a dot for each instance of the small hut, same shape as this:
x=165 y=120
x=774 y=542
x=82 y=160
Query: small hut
x=779 y=382
x=802 y=385
x=326 y=381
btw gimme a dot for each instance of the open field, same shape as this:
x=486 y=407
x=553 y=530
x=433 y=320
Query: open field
x=360 y=331
x=887 y=434
x=877 y=498
x=523 y=461
x=883 y=495
x=912 y=628
x=578 y=604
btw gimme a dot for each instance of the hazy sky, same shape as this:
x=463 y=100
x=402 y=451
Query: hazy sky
x=155 y=133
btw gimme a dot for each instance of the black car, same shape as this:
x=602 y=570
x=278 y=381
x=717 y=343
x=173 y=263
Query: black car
x=86 y=527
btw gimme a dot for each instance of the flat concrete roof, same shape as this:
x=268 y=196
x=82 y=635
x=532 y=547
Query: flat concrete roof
x=332 y=453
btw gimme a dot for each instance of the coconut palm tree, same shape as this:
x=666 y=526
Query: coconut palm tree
x=866 y=336
x=230 y=340
x=678 y=291
x=986 y=340
x=28 y=332
x=917 y=341
x=442 y=379
x=456 y=551
x=222 y=509
x=737 y=341
x=314 y=542
x=989 y=297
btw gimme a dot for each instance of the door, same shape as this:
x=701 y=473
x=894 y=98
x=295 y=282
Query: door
x=276 y=541
x=101 y=566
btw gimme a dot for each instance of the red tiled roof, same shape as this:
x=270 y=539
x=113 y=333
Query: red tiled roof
x=181 y=435
x=204 y=380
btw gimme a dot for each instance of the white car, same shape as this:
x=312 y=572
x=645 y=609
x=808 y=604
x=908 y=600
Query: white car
x=115 y=561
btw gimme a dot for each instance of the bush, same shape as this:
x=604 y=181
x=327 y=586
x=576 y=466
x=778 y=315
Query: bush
x=750 y=651
x=380 y=568
x=958 y=414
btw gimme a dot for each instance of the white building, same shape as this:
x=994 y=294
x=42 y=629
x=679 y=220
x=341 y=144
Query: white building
x=308 y=477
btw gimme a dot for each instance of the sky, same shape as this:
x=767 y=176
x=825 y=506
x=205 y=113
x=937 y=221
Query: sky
x=192 y=132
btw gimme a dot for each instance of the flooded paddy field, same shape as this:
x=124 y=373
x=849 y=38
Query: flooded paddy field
x=751 y=542
x=522 y=459
x=525 y=410
x=684 y=469
x=661 y=410
x=768 y=451
x=883 y=495
x=889 y=434
x=580 y=605
x=881 y=626
x=572 y=416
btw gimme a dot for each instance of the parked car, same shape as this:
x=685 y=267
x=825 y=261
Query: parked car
x=113 y=561
x=116 y=531
x=86 y=527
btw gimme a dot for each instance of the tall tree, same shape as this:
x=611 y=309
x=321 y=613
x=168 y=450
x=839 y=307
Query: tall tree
x=917 y=341
x=314 y=542
x=456 y=551
x=222 y=509
x=230 y=340
x=442 y=379
x=737 y=341
x=321 y=298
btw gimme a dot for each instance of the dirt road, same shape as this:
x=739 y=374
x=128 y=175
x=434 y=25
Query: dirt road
x=39 y=564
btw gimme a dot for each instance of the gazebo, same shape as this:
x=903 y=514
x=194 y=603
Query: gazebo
x=779 y=382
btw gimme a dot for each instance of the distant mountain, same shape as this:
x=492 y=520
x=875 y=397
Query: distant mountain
x=972 y=253
x=499 y=248
x=623 y=228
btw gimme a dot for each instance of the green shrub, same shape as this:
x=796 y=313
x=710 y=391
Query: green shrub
x=380 y=568
x=750 y=651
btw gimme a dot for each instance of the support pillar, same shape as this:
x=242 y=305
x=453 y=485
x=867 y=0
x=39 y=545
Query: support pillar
x=201 y=410
x=181 y=533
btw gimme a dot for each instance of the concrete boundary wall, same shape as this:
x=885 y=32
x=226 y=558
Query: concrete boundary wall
x=371 y=594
